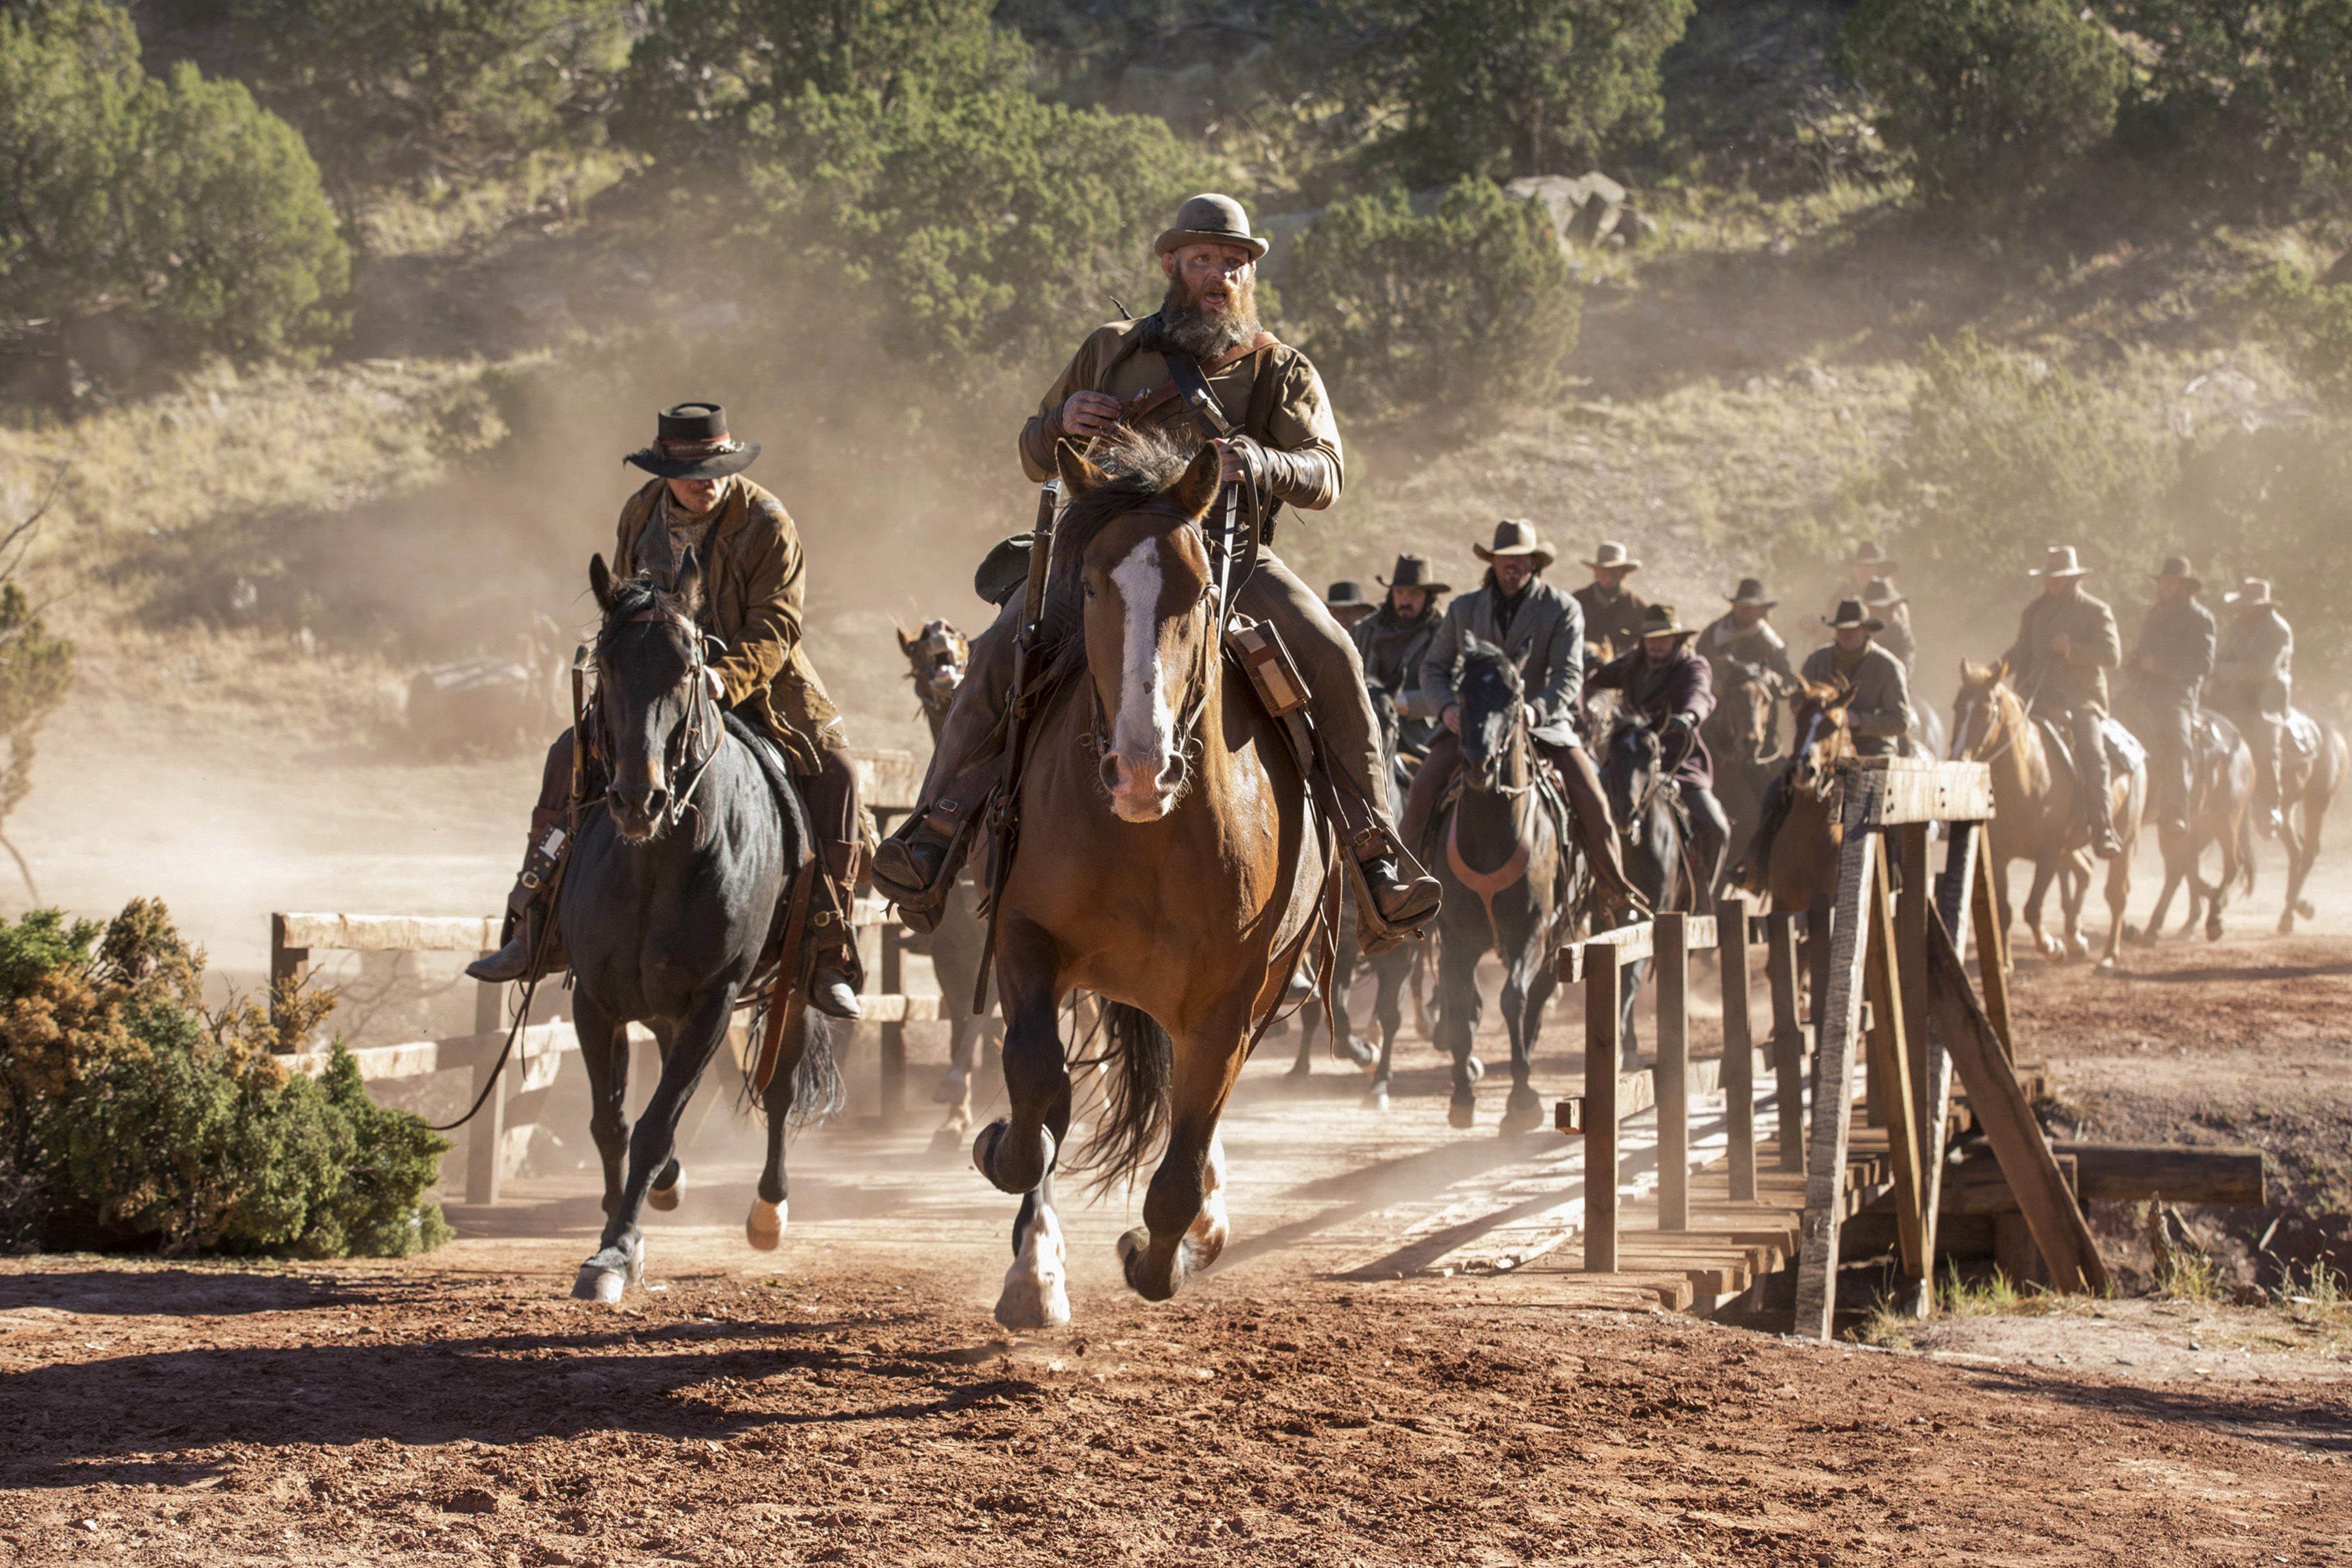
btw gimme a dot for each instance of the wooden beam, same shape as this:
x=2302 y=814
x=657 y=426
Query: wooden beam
x=2001 y=1107
x=1992 y=948
x=1788 y=1039
x=2134 y=1173
x=1603 y=993
x=1672 y=975
x=1738 y=1046
x=1837 y=1015
x=888 y=781
x=1952 y=891
x=1917 y=790
x=1626 y=944
x=386 y=933
x=1891 y=1052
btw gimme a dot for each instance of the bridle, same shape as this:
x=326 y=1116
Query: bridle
x=1516 y=759
x=687 y=753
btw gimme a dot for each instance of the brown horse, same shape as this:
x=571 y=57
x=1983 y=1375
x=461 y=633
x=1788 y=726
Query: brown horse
x=2034 y=814
x=1167 y=861
x=2310 y=778
x=2222 y=789
x=1803 y=858
x=937 y=657
x=1743 y=735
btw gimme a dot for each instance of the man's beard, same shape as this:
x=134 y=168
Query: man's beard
x=1186 y=326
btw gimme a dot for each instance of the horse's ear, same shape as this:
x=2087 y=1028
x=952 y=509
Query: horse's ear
x=600 y=583
x=1078 y=473
x=1198 y=488
x=905 y=643
x=689 y=586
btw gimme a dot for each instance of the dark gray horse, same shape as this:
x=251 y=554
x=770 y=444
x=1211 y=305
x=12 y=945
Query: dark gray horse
x=1401 y=964
x=1642 y=802
x=672 y=898
x=1508 y=886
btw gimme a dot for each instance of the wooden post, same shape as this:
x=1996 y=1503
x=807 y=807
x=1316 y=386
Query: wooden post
x=1992 y=947
x=287 y=965
x=1952 y=901
x=1821 y=927
x=2027 y=1164
x=1603 y=994
x=894 y=1035
x=1788 y=1037
x=1890 y=1054
x=1672 y=973
x=1739 y=1047
x=1911 y=963
x=1837 y=1016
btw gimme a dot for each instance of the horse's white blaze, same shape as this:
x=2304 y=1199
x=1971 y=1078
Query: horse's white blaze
x=1146 y=724
x=1207 y=1237
x=1961 y=729
x=1036 y=1294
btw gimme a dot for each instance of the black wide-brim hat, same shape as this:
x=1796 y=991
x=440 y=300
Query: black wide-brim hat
x=691 y=442
x=1752 y=592
x=1345 y=596
x=1413 y=571
x=1849 y=616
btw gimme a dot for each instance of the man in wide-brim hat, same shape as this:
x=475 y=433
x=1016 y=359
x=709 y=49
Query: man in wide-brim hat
x=2066 y=642
x=2167 y=666
x=1543 y=631
x=1347 y=604
x=1613 y=612
x=1880 y=597
x=1873 y=561
x=754 y=579
x=1393 y=639
x=1744 y=632
x=2253 y=683
x=1665 y=683
x=1263 y=405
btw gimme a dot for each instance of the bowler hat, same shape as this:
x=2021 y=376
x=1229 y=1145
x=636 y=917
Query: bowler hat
x=1210 y=220
x=691 y=442
x=1658 y=621
x=1413 y=571
x=1849 y=615
x=1879 y=591
x=2060 y=562
x=2253 y=591
x=1514 y=536
x=1345 y=596
x=2175 y=569
x=1752 y=592
x=1870 y=552
x=1612 y=554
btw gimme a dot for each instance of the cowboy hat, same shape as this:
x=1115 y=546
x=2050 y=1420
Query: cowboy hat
x=2175 y=569
x=1345 y=597
x=2253 y=592
x=1658 y=621
x=1879 y=591
x=1210 y=219
x=1413 y=571
x=1515 y=537
x=1752 y=592
x=2060 y=562
x=1870 y=552
x=1849 y=615
x=691 y=442
x=1611 y=555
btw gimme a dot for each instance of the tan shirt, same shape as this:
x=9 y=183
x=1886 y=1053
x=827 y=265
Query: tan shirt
x=1301 y=420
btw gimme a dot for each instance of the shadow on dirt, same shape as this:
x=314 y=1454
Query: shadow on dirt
x=2310 y=1416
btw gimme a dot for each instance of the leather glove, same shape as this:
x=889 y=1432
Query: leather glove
x=1297 y=478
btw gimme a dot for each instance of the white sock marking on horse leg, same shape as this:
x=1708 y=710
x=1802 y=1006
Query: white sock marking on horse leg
x=1207 y=1237
x=1035 y=1294
x=1142 y=695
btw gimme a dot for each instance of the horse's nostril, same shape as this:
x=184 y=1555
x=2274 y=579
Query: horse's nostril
x=1110 y=771
x=1171 y=777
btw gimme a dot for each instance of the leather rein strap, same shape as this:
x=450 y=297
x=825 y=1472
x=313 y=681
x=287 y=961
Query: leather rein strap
x=1151 y=399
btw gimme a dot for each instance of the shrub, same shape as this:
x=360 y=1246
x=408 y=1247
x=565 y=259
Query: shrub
x=35 y=672
x=2312 y=321
x=1501 y=88
x=2252 y=86
x=1439 y=316
x=127 y=1114
x=1987 y=99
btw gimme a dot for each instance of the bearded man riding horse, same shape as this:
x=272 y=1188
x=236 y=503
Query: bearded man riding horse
x=1201 y=360
x=699 y=510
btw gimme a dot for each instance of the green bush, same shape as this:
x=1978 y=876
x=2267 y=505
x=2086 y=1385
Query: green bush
x=129 y=1115
x=2270 y=503
x=2253 y=87
x=2311 y=320
x=182 y=202
x=407 y=91
x=1988 y=100
x=1438 y=316
x=1501 y=88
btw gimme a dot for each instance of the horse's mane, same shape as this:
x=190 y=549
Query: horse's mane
x=1141 y=465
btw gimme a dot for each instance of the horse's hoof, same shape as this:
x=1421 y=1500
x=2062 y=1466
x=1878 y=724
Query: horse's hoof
x=1358 y=1053
x=951 y=1089
x=1462 y=1113
x=764 y=1227
x=988 y=1153
x=1377 y=1100
x=611 y=1274
x=1522 y=1112
x=1131 y=1243
x=665 y=1198
x=2303 y=908
x=2212 y=931
x=1472 y=1068
x=1299 y=1069
x=1035 y=1294
x=2287 y=923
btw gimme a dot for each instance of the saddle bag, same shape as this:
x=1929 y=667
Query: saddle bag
x=1271 y=668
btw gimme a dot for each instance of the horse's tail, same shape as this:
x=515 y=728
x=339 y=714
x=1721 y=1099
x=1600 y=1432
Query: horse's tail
x=818 y=1093
x=1135 y=1117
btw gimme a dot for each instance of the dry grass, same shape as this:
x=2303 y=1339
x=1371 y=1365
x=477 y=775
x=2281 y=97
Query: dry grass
x=441 y=219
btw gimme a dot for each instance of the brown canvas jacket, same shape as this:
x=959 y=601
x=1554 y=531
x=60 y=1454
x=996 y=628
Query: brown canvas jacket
x=2079 y=680
x=1109 y=362
x=1614 y=619
x=754 y=586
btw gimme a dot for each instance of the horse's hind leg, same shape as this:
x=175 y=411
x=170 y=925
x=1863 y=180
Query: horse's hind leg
x=1036 y=1288
x=1184 y=1225
x=604 y=1052
x=764 y=1227
x=619 y=1261
x=2118 y=896
x=669 y=1183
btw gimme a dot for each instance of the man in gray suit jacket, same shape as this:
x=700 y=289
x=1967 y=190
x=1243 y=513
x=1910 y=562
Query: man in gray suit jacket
x=1543 y=630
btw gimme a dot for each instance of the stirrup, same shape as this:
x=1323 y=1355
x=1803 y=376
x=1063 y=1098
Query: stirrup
x=513 y=961
x=899 y=874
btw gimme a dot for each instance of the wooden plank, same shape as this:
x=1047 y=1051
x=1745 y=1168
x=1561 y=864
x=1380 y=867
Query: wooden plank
x=1788 y=1040
x=1891 y=1052
x=1992 y=948
x=1603 y=992
x=1628 y=943
x=1838 y=1013
x=898 y=1009
x=2134 y=1173
x=1977 y=1188
x=1738 y=1045
x=887 y=780
x=1917 y=790
x=2001 y=1109
x=1951 y=893
x=386 y=933
x=1671 y=976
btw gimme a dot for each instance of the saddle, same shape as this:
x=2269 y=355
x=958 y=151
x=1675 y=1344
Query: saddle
x=2213 y=740
x=2124 y=751
x=2301 y=731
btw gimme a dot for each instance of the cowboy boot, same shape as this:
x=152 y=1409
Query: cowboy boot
x=1392 y=904
x=833 y=988
x=528 y=930
x=1596 y=835
x=917 y=864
